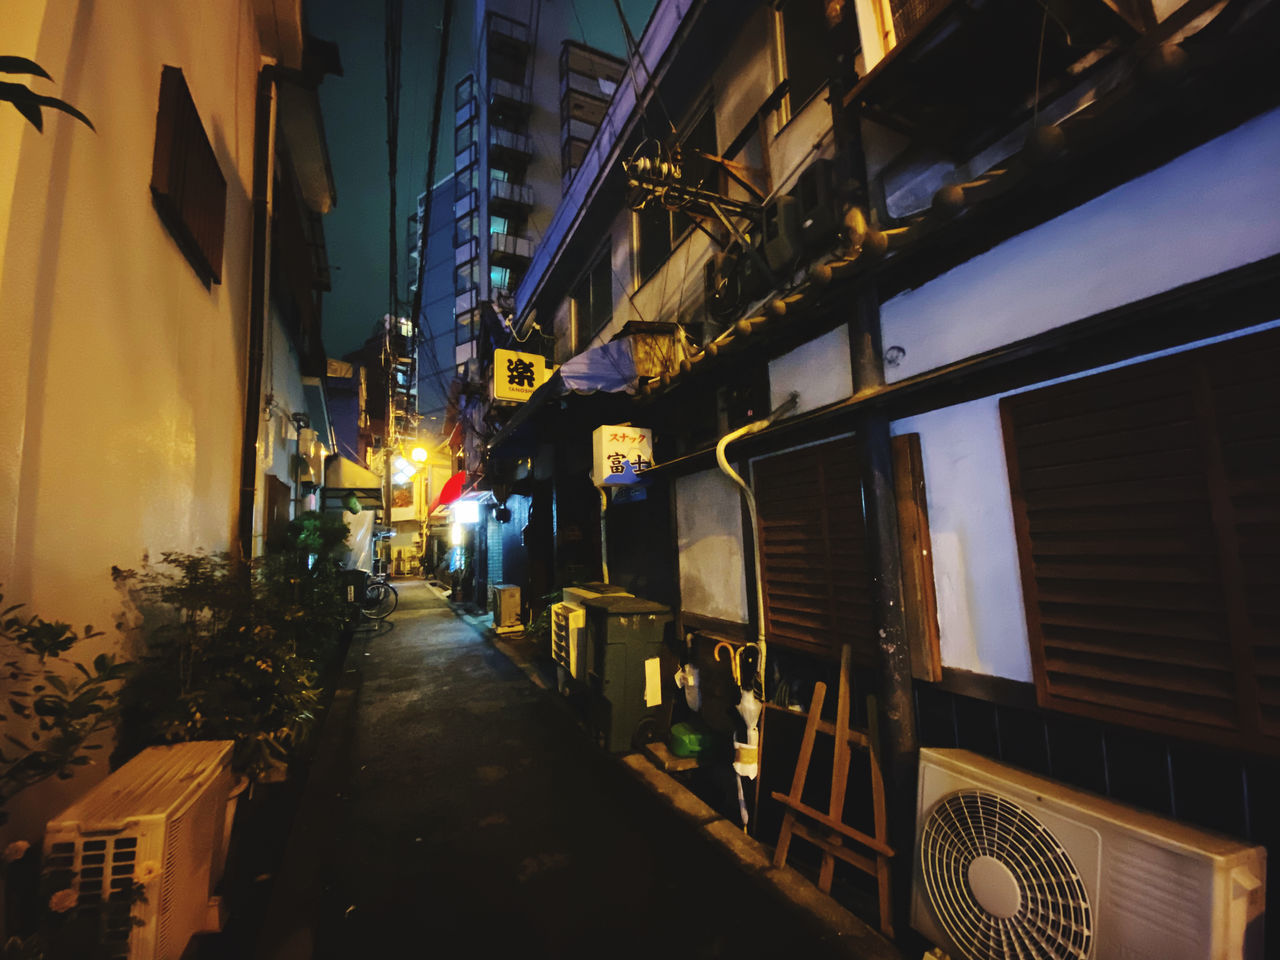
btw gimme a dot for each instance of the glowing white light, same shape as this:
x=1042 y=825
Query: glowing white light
x=466 y=511
x=455 y=535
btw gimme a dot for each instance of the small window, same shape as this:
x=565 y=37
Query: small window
x=500 y=278
x=593 y=300
x=465 y=229
x=187 y=185
x=466 y=277
x=499 y=225
x=658 y=231
x=805 y=48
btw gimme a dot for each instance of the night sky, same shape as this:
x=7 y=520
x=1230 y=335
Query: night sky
x=354 y=108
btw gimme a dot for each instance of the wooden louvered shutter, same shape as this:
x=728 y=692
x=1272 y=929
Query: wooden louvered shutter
x=813 y=548
x=187 y=184
x=1147 y=508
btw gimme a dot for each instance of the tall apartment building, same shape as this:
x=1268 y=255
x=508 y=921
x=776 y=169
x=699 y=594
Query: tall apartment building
x=435 y=319
x=523 y=121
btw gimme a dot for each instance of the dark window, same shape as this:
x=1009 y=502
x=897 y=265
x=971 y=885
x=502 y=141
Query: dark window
x=465 y=228
x=806 y=46
x=593 y=300
x=466 y=276
x=187 y=185
x=1147 y=507
x=660 y=230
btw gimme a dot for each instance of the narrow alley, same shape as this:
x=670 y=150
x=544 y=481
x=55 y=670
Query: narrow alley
x=455 y=805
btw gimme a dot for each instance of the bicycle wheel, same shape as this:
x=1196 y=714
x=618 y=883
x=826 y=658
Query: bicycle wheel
x=380 y=600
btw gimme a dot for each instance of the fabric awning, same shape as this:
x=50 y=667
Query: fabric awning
x=450 y=492
x=344 y=477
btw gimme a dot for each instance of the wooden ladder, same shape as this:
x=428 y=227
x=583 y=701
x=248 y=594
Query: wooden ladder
x=831 y=841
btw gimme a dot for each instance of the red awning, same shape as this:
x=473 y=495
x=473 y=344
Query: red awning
x=450 y=492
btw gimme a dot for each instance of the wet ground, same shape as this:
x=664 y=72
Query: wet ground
x=456 y=809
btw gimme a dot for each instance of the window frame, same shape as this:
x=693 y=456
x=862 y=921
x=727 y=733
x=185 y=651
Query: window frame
x=704 y=112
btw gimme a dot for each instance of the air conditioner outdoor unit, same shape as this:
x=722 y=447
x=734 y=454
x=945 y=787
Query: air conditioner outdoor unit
x=568 y=637
x=569 y=629
x=504 y=600
x=1009 y=864
x=161 y=816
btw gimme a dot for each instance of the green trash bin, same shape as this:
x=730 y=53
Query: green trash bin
x=624 y=647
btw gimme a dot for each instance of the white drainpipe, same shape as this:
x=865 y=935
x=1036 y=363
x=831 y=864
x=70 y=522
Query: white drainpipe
x=749 y=497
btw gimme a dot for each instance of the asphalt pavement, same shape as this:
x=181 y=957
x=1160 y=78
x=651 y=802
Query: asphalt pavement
x=454 y=808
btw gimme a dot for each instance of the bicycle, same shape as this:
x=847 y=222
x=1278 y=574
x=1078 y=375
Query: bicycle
x=380 y=598
x=370 y=594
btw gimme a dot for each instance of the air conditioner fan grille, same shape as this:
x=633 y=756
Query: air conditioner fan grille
x=1000 y=884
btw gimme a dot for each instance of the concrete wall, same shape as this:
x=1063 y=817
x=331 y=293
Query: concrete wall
x=121 y=375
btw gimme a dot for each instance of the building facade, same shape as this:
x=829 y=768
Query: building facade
x=993 y=287
x=160 y=294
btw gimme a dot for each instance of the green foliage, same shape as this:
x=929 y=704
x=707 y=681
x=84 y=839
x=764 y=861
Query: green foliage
x=54 y=704
x=235 y=654
x=26 y=101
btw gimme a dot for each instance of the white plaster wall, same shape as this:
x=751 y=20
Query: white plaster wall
x=981 y=622
x=121 y=375
x=820 y=371
x=1213 y=208
x=713 y=580
x=277 y=433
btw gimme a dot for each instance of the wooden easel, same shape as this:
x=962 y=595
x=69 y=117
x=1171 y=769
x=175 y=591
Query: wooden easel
x=832 y=841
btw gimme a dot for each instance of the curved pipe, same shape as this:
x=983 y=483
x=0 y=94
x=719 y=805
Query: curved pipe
x=747 y=495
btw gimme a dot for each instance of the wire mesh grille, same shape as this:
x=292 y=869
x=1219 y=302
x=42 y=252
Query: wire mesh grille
x=1053 y=920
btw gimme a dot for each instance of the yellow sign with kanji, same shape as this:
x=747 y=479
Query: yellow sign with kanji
x=517 y=375
x=621 y=454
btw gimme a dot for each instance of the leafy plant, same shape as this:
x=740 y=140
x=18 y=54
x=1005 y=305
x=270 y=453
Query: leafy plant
x=237 y=657
x=26 y=101
x=55 y=704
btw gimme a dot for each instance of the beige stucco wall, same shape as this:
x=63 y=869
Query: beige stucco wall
x=121 y=376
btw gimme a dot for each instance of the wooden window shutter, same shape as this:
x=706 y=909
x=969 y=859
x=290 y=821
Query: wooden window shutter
x=187 y=185
x=814 y=570
x=1147 y=508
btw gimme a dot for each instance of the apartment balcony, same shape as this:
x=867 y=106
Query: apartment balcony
x=576 y=105
x=510 y=199
x=506 y=36
x=578 y=130
x=589 y=62
x=954 y=74
x=509 y=99
x=508 y=148
x=508 y=250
